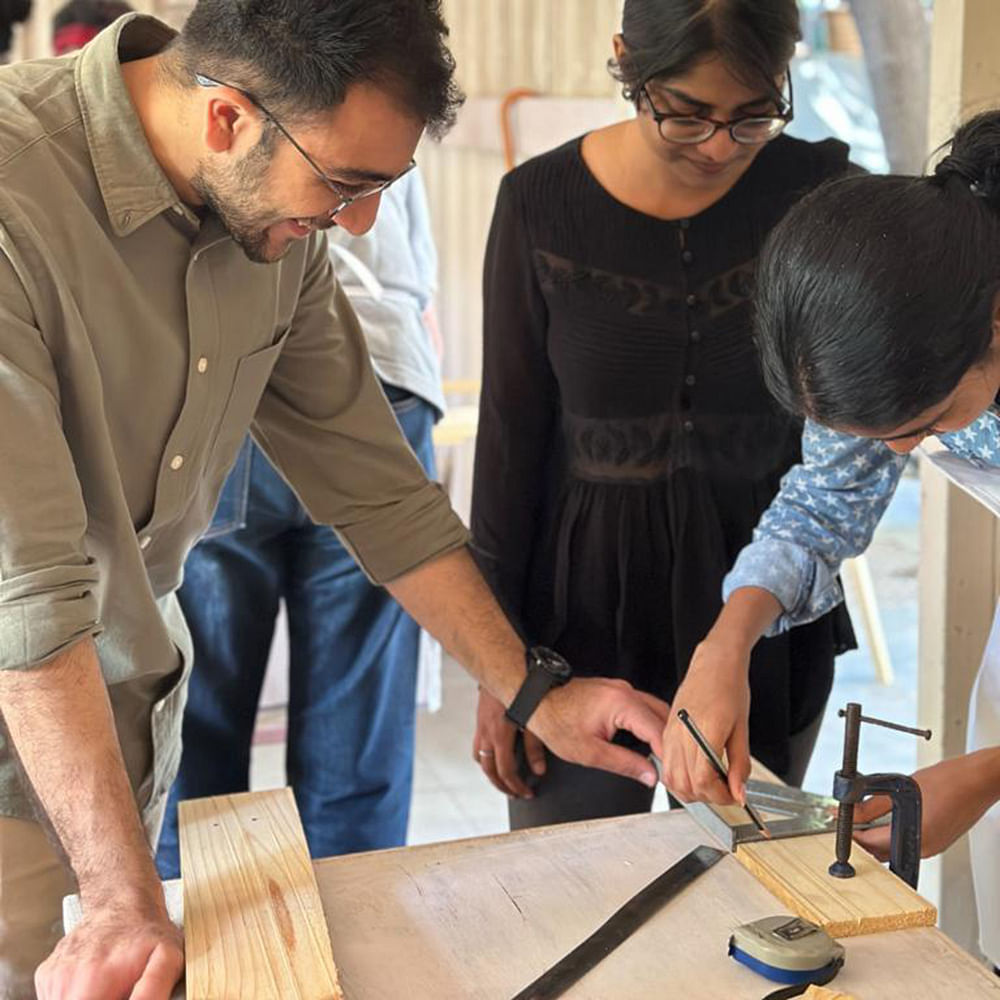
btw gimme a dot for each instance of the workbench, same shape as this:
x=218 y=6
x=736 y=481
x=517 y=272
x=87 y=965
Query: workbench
x=481 y=918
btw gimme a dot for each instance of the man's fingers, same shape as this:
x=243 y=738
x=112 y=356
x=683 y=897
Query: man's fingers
x=534 y=753
x=161 y=974
x=618 y=760
x=657 y=705
x=870 y=809
x=875 y=841
x=509 y=773
x=489 y=768
x=645 y=722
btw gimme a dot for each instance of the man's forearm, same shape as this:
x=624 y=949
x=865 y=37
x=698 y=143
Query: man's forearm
x=59 y=719
x=449 y=597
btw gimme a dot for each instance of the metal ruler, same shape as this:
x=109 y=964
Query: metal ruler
x=620 y=925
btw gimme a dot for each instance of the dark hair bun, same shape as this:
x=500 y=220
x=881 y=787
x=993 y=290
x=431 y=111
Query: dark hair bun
x=974 y=157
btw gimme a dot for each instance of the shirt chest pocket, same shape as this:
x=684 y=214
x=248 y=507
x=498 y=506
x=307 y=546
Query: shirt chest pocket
x=249 y=382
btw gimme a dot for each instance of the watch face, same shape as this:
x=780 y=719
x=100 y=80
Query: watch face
x=551 y=662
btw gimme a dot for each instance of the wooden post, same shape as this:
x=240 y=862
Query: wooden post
x=959 y=538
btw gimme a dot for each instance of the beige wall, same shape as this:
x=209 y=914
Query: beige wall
x=557 y=47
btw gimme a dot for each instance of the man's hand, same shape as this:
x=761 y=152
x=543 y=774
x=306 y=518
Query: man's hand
x=114 y=955
x=716 y=693
x=955 y=793
x=59 y=718
x=578 y=721
x=449 y=598
x=493 y=748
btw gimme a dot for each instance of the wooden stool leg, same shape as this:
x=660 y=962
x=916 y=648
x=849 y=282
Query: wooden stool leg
x=859 y=577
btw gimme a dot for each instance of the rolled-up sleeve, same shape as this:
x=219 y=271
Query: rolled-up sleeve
x=325 y=423
x=47 y=581
x=826 y=511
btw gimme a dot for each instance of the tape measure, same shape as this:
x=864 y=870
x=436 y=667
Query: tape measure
x=787 y=950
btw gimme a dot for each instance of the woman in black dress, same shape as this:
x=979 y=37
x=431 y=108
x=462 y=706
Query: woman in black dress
x=627 y=444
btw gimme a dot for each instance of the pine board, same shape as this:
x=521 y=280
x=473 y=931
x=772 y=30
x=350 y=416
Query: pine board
x=795 y=870
x=479 y=919
x=822 y=993
x=253 y=920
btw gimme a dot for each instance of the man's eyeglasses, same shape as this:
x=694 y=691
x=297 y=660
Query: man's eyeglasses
x=693 y=129
x=345 y=198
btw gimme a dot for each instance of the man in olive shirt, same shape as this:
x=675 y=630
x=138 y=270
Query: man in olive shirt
x=163 y=286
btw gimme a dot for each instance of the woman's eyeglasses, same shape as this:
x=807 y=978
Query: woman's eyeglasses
x=691 y=130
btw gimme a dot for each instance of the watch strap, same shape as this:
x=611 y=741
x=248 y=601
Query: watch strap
x=537 y=684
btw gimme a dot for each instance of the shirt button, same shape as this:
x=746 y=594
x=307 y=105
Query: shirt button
x=692 y=300
x=695 y=336
x=202 y=365
x=176 y=462
x=689 y=380
x=687 y=257
x=145 y=542
x=689 y=425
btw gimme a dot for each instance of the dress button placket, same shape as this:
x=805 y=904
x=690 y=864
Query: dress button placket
x=691 y=301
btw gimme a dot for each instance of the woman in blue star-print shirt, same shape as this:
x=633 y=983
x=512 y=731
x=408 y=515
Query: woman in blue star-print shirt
x=878 y=319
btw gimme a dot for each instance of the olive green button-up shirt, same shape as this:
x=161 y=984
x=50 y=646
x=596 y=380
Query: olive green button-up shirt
x=137 y=345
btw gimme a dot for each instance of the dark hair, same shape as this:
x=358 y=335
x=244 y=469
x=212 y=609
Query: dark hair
x=299 y=57
x=95 y=13
x=875 y=294
x=11 y=12
x=755 y=39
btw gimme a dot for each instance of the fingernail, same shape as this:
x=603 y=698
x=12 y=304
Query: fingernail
x=648 y=778
x=538 y=768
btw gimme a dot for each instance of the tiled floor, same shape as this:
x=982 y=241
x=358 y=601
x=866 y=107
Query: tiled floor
x=452 y=799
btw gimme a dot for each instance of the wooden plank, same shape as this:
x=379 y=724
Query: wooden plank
x=253 y=919
x=479 y=919
x=822 y=993
x=795 y=870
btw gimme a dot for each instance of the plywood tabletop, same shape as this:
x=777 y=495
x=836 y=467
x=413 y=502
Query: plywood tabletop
x=479 y=919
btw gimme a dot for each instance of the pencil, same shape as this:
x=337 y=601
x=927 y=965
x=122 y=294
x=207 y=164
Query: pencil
x=720 y=768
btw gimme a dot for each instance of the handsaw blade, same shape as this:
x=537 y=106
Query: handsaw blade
x=624 y=922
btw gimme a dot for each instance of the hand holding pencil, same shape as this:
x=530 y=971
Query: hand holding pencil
x=720 y=768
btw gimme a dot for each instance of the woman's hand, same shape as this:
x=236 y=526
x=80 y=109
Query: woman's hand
x=716 y=694
x=955 y=793
x=493 y=748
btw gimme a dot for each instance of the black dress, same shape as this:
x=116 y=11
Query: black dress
x=627 y=445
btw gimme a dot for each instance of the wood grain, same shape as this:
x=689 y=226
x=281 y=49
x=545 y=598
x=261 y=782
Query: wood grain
x=253 y=920
x=479 y=919
x=822 y=993
x=795 y=870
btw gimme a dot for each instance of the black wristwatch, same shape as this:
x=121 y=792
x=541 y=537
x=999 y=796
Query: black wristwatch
x=546 y=670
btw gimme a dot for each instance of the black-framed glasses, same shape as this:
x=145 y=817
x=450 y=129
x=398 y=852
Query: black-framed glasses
x=693 y=129
x=345 y=199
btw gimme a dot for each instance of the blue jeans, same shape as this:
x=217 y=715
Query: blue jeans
x=352 y=662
